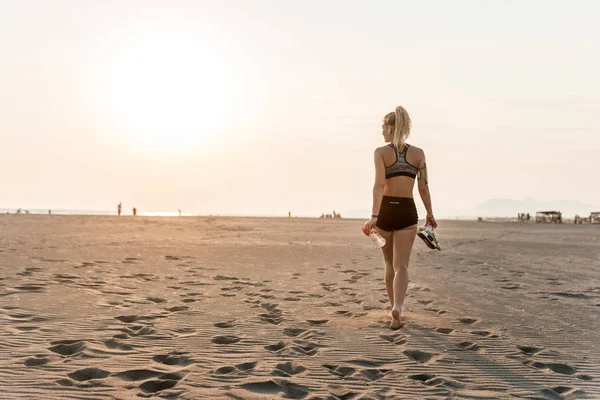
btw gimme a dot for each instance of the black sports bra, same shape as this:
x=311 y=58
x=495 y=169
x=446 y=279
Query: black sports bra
x=401 y=167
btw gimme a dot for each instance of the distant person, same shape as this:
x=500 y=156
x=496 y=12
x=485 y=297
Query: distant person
x=49 y=212
x=519 y=217
x=289 y=214
x=119 y=209
x=397 y=165
x=179 y=212
x=134 y=211
x=528 y=217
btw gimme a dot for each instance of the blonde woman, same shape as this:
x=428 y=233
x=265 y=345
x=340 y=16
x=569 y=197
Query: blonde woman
x=397 y=165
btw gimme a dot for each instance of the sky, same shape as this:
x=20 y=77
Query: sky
x=260 y=107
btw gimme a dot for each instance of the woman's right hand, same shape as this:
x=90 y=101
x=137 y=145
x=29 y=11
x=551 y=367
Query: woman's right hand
x=370 y=225
x=430 y=220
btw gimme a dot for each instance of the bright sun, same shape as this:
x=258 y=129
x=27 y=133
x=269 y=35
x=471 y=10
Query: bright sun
x=170 y=92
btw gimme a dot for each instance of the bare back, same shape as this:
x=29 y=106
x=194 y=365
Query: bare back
x=401 y=186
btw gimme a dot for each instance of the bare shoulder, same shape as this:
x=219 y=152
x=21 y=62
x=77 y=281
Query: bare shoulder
x=382 y=150
x=416 y=155
x=417 y=150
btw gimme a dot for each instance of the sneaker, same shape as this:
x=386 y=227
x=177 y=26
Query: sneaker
x=429 y=236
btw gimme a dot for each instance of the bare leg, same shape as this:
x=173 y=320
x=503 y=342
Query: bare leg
x=388 y=257
x=403 y=243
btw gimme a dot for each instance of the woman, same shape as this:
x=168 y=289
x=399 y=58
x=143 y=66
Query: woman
x=397 y=165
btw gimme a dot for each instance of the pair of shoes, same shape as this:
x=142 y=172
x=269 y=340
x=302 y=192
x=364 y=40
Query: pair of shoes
x=430 y=237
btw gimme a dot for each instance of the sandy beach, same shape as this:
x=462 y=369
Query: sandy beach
x=256 y=308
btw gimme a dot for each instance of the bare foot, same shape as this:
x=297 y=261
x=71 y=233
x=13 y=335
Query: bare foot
x=396 y=324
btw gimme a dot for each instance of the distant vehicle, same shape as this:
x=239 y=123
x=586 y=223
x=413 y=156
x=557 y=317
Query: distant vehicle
x=595 y=217
x=554 y=217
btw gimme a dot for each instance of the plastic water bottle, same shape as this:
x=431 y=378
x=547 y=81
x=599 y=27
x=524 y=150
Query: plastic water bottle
x=375 y=237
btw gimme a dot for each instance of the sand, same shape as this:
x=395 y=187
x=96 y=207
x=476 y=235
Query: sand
x=251 y=308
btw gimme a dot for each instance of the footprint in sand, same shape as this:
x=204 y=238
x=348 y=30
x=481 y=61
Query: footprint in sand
x=317 y=322
x=177 y=308
x=232 y=288
x=422 y=357
x=128 y=319
x=67 y=347
x=436 y=310
x=511 y=286
x=468 y=321
x=156 y=299
x=559 y=368
x=30 y=270
x=226 y=339
x=224 y=324
x=485 y=334
x=288 y=369
x=190 y=300
x=225 y=278
x=87 y=374
x=239 y=369
x=36 y=361
x=273 y=387
x=562 y=392
x=373 y=375
x=469 y=346
x=135 y=331
x=341 y=371
x=432 y=380
x=293 y=331
x=133 y=375
x=113 y=344
x=30 y=287
x=276 y=347
x=174 y=358
x=156 y=385
x=271 y=318
x=296 y=348
x=51 y=260
x=397 y=339
x=530 y=350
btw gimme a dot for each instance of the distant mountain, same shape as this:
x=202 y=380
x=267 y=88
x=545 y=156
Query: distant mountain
x=500 y=208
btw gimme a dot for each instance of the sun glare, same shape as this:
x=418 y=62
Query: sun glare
x=170 y=92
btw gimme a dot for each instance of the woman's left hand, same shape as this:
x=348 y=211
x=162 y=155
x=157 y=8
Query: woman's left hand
x=370 y=225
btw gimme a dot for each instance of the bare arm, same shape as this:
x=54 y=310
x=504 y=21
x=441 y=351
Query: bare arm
x=377 y=189
x=423 y=185
x=379 y=182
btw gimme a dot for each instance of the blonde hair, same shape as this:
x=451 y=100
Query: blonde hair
x=400 y=120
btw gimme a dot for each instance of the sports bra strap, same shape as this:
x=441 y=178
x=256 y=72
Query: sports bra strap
x=406 y=146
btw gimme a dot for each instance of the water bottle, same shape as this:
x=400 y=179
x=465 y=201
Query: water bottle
x=375 y=237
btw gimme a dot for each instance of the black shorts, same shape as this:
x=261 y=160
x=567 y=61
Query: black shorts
x=397 y=213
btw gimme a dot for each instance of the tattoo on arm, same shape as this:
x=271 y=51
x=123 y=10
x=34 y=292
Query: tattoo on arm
x=423 y=174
